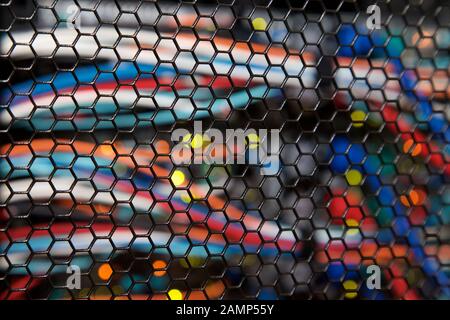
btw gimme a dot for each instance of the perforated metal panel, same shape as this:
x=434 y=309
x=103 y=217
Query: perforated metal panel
x=91 y=92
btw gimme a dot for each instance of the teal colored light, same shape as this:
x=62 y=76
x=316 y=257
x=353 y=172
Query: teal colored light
x=395 y=47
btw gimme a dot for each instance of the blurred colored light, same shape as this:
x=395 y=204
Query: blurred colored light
x=414 y=198
x=353 y=226
x=105 y=272
x=178 y=178
x=259 y=24
x=412 y=148
x=106 y=150
x=198 y=141
x=186 y=198
x=358 y=118
x=354 y=177
x=159 y=267
x=350 y=287
x=253 y=140
x=175 y=294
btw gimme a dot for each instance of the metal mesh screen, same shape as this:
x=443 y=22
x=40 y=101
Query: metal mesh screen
x=91 y=92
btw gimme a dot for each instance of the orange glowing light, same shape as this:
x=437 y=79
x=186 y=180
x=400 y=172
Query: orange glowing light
x=106 y=150
x=414 y=198
x=105 y=272
x=412 y=148
x=159 y=267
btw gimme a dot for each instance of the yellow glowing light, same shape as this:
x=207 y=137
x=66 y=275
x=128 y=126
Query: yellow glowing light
x=351 y=295
x=353 y=226
x=187 y=138
x=354 y=177
x=186 y=198
x=178 y=178
x=253 y=140
x=350 y=287
x=358 y=118
x=198 y=141
x=175 y=294
x=259 y=24
x=352 y=223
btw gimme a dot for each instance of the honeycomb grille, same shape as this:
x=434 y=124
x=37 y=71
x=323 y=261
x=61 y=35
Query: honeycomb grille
x=91 y=92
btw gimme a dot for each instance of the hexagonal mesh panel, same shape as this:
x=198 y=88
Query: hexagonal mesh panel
x=92 y=205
